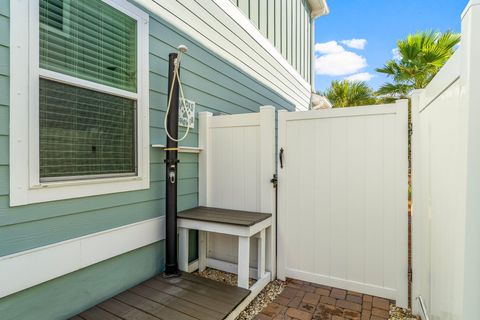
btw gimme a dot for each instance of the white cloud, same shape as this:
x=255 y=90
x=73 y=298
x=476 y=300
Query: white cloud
x=333 y=60
x=396 y=54
x=339 y=64
x=362 y=76
x=330 y=47
x=355 y=43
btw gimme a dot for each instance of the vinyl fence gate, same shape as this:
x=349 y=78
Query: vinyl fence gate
x=343 y=198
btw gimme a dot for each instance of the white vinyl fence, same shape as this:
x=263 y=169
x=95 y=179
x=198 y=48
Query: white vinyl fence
x=342 y=198
x=446 y=184
x=235 y=169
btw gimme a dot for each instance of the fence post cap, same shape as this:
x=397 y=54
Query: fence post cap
x=470 y=4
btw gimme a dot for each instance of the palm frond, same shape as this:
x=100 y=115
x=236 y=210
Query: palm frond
x=422 y=56
x=398 y=90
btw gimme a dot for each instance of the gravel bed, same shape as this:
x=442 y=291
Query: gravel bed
x=267 y=295
x=221 y=276
x=397 y=313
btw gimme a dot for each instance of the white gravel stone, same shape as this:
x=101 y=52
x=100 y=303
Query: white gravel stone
x=397 y=313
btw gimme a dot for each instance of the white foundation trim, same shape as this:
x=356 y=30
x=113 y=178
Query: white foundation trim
x=26 y=269
x=344 y=284
x=193 y=266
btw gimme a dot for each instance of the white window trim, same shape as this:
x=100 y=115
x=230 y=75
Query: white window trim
x=25 y=186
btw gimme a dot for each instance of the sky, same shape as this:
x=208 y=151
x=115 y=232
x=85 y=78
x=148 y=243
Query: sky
x=360 y=35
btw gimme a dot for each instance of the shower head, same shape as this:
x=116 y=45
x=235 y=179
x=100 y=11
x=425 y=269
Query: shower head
x=182 y=48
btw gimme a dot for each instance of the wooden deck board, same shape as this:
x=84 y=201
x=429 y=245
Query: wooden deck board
x=181 y=305
x=235 y=217
x=197 y=288
x=125 y=311
x=151 y=307
x=188 y=297
x=97 y=313
x=216 y=285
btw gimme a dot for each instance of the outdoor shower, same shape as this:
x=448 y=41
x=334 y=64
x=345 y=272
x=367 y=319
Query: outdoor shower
x=171 y=159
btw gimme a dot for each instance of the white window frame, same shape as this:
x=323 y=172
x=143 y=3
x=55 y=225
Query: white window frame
x=25 y=74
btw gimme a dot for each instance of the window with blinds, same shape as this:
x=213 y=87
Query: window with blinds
x=85 y=133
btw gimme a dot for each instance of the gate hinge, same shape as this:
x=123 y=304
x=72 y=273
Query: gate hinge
x=274 y=180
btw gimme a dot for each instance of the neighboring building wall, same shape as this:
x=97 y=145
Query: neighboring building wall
x=287 y=24
x=215 y=83
x=446 y=176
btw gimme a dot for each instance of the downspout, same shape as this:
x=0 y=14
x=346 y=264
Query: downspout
x=171 y=162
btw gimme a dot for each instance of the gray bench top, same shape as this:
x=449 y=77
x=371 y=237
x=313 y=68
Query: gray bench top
x=227 y=216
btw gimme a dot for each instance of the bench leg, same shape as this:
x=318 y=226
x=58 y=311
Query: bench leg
x=202 y=250
x=183 y=249
x=243 y=261
x=261 y=255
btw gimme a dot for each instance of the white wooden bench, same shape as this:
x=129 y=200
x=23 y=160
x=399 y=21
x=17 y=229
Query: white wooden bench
x=242 y=224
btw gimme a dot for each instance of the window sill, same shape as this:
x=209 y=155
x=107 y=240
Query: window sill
x=62 y=190
x=56 y=184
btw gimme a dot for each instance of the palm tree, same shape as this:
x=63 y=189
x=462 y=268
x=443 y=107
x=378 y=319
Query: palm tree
x=421 y=56
x=349 y=93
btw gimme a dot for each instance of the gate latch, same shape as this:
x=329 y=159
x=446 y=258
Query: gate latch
x=274 y=180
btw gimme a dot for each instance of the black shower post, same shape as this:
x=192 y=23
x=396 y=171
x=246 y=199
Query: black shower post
x=171 y=163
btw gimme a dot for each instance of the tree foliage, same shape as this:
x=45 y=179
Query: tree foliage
x=349 y=93
x=421 y=56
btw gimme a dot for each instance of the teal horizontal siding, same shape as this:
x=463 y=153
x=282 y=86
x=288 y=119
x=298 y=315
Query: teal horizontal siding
x=32 y=234
x=5 y=30
x=208 y=65
x=4 y=60
x=282 y=22
x=5 y=8
x=4 y=181
x=68 y=295
x=4 y=150
x=4 y=116
x=4 y=90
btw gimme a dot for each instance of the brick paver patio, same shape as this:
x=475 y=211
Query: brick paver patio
x=307 y=301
